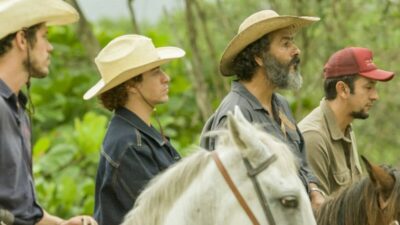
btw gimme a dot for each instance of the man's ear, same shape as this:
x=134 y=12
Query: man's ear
x=259 y=61
x=342 y=89
x=20 y=40
x=131 y=87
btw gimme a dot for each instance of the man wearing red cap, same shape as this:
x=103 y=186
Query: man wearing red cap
x=350 y=77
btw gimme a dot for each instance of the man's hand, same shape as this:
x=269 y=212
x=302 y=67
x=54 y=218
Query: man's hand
x=317 y=197
x=316 y=200
x=49 y=219
x=79 y=220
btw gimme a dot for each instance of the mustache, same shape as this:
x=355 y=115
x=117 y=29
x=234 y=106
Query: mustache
x=295 y=60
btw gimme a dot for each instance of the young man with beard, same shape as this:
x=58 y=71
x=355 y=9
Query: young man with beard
x=264 y=58
x=24 y=54
x=349 y=85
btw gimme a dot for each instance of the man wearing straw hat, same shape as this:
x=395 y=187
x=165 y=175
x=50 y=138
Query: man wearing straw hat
x=24 y=54
x=133 y=152
x=264 y=58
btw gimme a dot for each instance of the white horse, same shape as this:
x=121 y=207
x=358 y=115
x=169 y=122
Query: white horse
x=194 y=192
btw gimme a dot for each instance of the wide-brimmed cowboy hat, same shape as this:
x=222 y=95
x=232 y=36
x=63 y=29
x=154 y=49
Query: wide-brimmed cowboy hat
x=18 y=14
x=254 y=27
x=128 y=56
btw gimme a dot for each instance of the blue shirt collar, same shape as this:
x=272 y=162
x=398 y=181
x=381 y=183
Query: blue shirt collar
x=132 y=119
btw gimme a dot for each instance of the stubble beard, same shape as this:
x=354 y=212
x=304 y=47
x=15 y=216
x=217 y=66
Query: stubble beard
x=34 y=69
x=359 y=115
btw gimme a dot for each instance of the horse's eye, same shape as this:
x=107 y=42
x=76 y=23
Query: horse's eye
x=289 y=202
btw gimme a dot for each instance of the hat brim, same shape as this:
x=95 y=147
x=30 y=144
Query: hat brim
x=379 y=75
x=165 y=54
x=256 y=31
x=24 y=14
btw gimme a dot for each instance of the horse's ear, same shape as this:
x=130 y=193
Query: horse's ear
x=243 y=135
x=382 y=180
x=233 y=127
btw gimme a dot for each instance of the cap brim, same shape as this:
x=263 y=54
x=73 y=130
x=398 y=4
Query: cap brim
x=380 y=75
x=256 y=31
x=165 y=54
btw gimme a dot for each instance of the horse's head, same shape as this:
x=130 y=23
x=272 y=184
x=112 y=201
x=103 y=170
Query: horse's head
x=385 y=182
x=278 y=179
x=374 y=200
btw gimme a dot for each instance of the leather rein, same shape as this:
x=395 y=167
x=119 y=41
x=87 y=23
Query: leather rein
x=252 y=173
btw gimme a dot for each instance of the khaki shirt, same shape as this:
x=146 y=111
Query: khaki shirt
x=331 y=154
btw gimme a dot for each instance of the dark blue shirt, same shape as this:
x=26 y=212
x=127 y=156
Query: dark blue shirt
x=282 y=125
x=17 y=191
x=132 y=154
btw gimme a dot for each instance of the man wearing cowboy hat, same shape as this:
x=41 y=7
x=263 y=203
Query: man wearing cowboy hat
x=24 y=53
x=133 y=152
x=350 y=77
x=264 y=58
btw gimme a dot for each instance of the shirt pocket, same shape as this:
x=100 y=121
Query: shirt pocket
x=342 y=178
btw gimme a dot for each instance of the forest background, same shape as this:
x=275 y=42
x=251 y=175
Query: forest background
x=68 y=131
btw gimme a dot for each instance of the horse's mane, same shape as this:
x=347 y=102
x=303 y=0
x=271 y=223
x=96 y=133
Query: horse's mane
x=358 y=203
x=177 y=179
x=393 y=207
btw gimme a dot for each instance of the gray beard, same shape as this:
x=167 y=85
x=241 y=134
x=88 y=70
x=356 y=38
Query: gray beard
x=279 y=74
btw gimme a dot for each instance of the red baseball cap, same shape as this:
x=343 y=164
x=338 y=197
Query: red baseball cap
x=355 y=60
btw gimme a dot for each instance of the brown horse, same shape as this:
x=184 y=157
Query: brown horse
x=374 y=200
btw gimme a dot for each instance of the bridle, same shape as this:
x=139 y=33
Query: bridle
x=252 y=173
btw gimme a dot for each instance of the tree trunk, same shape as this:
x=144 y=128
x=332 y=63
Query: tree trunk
x=202 y=98
x=220 y=84
x=85 y=34
x=226 y=23
x=133 y=17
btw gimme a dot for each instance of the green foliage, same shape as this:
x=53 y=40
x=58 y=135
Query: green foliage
x=65 y=165
x=58 y=96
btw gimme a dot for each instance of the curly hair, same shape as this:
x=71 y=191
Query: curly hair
x=30 y=32
x=244 y=65
x=118 y=96
x=330 y=85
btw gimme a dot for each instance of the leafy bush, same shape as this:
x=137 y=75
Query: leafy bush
x=65 y=165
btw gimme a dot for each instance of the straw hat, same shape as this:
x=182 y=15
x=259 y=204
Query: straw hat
x=18 y=14
x=128 y=56
x=253 y=28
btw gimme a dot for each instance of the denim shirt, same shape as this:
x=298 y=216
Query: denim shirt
x=17 y=190
x=283 y=126
x=132 y=154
